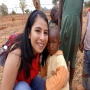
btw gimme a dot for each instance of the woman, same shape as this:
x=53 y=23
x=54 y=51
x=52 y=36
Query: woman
x=21 y=66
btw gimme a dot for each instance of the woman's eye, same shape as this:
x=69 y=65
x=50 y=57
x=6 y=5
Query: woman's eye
x=37 y=30
x=46 y=33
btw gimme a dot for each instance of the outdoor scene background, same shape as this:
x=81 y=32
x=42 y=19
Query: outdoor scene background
x=15 y=22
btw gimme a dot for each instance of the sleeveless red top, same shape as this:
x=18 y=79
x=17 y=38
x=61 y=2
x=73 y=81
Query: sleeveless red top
x=33 y=72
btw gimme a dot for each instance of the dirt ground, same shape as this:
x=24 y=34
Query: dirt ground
x=15 y=23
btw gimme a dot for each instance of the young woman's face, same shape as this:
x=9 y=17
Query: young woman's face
x=39 y=35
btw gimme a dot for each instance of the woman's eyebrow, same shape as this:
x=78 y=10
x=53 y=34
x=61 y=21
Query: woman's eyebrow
x=37 y=27
x=46 y=29
x=40 y=28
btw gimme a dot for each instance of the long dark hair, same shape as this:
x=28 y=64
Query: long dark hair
x=24 y=43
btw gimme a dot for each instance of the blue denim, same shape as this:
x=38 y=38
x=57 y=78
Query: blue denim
x=36 y=84
x=86 y=70
x=22 y=85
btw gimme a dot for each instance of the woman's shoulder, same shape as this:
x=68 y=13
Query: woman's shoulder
x=13 y=59
x=17 y=52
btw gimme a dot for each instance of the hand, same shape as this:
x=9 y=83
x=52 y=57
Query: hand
x=53 y=73
x=43 y=71
x=81 y=46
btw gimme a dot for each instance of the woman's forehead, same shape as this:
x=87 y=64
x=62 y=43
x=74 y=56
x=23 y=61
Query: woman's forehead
x=40 y=23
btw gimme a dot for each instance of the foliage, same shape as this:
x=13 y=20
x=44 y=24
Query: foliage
x=22 y=5
x=27 y=11
x=87 y=4
x=13 y=12
x=3 y=9
x=55 y=2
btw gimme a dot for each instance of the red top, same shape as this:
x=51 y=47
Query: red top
x=33 y=72
x=89 y=9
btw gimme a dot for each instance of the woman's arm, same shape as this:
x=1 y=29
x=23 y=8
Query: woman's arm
x=60 y=14
x=11 y=68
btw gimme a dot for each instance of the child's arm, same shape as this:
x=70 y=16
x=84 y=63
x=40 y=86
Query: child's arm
x=81 y=41
x=58 y=80
x=81 y=19
x=60 y=14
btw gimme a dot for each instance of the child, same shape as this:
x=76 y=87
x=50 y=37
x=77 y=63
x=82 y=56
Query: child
x=86 y=46
x=57 y=73
x=70 y=26
x=54 y=16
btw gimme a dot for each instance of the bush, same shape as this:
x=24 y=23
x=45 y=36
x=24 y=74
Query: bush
x=13 y=12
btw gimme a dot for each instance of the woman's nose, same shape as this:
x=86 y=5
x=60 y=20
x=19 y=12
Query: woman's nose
x=42 y=36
